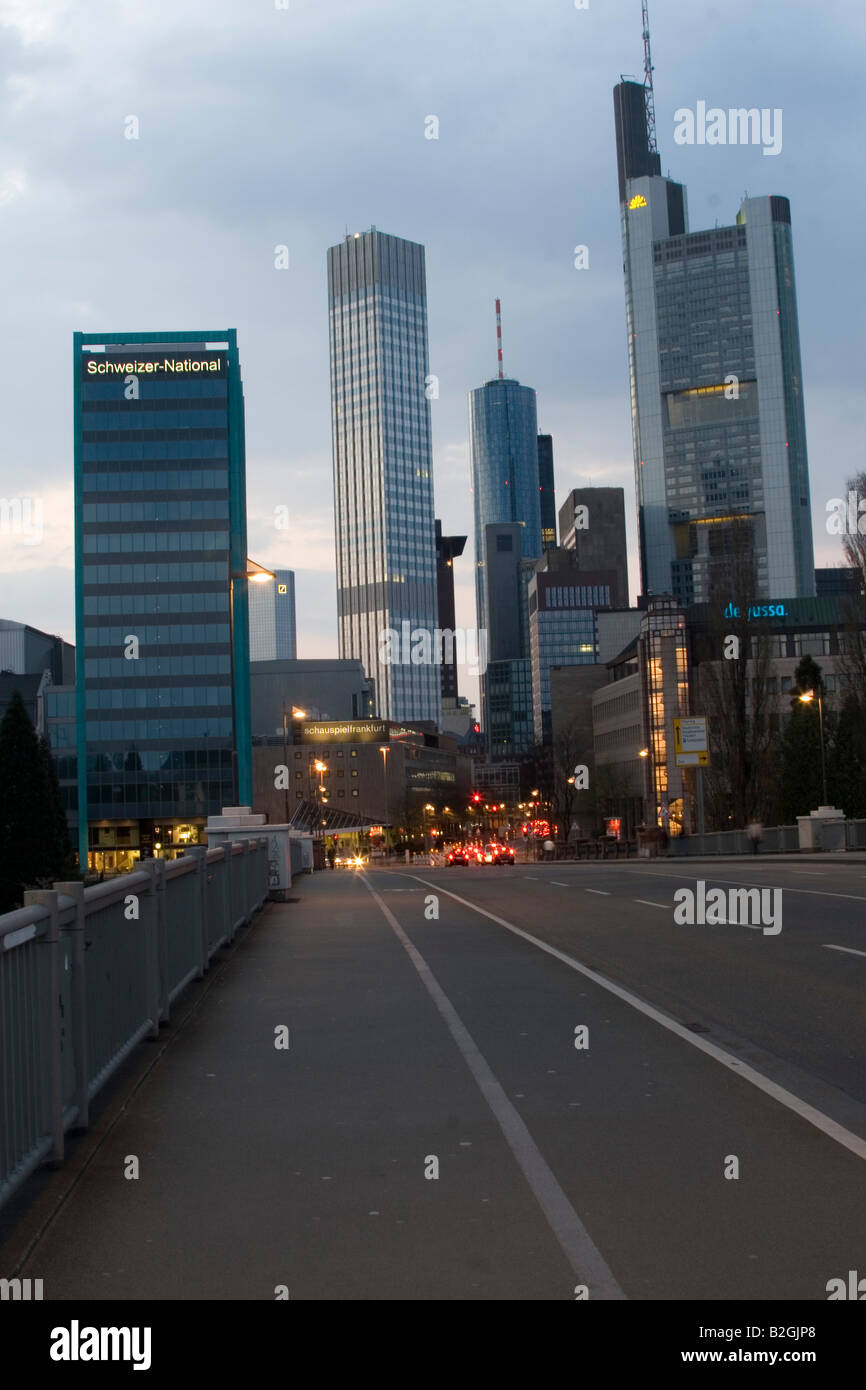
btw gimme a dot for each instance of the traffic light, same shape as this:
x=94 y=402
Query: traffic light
x=476 y=797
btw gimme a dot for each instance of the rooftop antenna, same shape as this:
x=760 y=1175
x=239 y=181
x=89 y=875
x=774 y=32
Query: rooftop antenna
x=648 y=82
x=499 y=337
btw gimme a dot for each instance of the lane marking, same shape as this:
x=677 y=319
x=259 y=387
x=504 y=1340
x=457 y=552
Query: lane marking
x=649 y=903
x=849 y=950
x=555 y=883
x=575 y=1241
x=831 y=1128
x=602 y=892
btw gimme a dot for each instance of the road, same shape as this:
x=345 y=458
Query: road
x=432 y=1130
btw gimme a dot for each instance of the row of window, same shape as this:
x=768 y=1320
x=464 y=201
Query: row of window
x=147 y=697
x=95 y=604
x=193 y=664
x=143 y=416
x=111 y=542
x=211 y=449
x=110 y=730
x=166 y=479
x=167 y=573
x=166 y=635
x=162 y=509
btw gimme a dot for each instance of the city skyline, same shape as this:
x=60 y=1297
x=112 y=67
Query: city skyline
x=551 y=307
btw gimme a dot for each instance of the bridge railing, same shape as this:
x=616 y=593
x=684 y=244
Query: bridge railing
x=87 y=973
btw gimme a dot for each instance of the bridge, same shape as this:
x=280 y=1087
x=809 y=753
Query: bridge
x=408 y=1082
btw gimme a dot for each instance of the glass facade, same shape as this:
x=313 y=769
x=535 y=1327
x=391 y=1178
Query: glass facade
x=562 y=632
x=383 y=464
x=162 y=700
x=272 y=619
x=503 y=442
x=718 y=420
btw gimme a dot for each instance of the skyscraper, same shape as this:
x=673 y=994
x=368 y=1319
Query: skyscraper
x=716 y=384
x=448 y=549
x=383 y=470
x=272 y=619
x=546 y=491
x=503 y=442
x=592 y=525
x=163 y=697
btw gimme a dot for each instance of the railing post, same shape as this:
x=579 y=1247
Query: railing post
x=75 y=889
x=51 y=1031
x=227 y=896
x=151 y=925
x=199 y=854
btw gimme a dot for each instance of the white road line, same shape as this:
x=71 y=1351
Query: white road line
x=602 y=892
x=648 y=903
x=807 y=1112
x=555 y=883
x=849 y=950
x=577 y=1245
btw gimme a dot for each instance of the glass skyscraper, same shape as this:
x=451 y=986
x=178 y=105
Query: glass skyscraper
x=503 y=443
x=162 y=697
x=383 y=466
x=272 y=619
x=718 y=421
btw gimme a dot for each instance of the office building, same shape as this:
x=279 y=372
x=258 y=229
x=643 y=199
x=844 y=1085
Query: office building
x=315 y=688
x=448 y=549
x=837 y=581
x=563 y=601
x=162 y=704
x=718 y=421
x=383 y=469
x=546 y=491
x=272 y=619
x=592 y=525
x=503 y=442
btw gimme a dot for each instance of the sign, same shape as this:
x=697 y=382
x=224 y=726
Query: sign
x=353 y=731
x=691 y=748
x=102 y=365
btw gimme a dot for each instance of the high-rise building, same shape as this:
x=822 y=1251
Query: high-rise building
x=563 y=603
x=592 y=525
x=716 y=383
x=448 y=549
x=272 y=619
x=383 y=469
x=546 y=491
x=163 y=691
x=503 y=441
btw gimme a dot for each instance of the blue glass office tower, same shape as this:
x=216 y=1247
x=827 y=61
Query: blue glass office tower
x=272 y=619
x=162 y=696
x=503 y=444
x=383 y=466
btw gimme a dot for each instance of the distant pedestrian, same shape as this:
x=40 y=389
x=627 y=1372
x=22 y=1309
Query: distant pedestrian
x=755 y=832
x=332 y=855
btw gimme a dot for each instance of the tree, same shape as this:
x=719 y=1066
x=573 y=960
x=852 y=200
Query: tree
x=800 y=781
x=34 y=841
x=846 y=760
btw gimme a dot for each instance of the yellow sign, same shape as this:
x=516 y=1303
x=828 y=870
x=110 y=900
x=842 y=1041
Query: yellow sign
x=638 y=201
x=691 y=747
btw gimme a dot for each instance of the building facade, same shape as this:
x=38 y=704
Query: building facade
x=546 y=491
x=383 y=464
x=448 y=549
x=162 y=692
x=272 y=619
x=718 y=420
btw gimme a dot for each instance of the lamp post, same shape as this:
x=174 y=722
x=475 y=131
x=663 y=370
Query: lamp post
x=242 y=773
x=385 y=750
x=296 y=714
x=806 y=699
x=644 y=754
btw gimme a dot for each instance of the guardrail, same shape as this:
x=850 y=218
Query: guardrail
x=87 y=973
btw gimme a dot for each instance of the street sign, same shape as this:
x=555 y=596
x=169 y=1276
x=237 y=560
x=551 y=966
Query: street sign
x=691 y=746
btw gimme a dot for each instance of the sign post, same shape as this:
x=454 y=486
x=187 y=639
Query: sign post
x=692 y=749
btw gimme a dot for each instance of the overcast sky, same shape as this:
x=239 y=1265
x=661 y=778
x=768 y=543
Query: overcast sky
x=262 y=126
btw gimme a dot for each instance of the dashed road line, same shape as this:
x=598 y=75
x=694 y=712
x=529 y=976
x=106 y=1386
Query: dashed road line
x=849 y=950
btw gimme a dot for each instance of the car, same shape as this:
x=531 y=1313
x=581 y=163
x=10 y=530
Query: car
x=497 y=854
x=460 y=855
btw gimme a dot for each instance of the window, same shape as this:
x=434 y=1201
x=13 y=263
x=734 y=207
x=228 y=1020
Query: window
x=354 y=791
x=354 y=772
x=785 y=684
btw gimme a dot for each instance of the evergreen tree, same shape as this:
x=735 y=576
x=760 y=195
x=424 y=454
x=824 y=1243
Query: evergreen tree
x=801 y=789
x=846 y=761
x=34 y=847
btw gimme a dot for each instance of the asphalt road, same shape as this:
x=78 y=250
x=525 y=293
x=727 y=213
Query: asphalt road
x=433 y=1132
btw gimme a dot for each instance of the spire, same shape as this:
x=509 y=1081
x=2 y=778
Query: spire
x=648 y=82
x=499 y=338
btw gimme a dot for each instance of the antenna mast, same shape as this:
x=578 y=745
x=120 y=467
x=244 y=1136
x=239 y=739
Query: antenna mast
x=648 y=82
x=499 y=338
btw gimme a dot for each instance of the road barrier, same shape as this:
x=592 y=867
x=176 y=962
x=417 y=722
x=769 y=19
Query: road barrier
x=87 y=973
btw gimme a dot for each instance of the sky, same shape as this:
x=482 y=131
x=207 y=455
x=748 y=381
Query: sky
x=263 y=125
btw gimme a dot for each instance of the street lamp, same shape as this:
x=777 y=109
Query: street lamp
x=806 y=699
x=242 y=772
x=385 y=750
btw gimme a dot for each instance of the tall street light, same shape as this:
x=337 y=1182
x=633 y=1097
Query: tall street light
x=242 y=770
x=806 y=699
x=296 y=714
x=385 y=750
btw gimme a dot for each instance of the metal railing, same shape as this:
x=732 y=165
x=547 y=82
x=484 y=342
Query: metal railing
x=87 y=973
